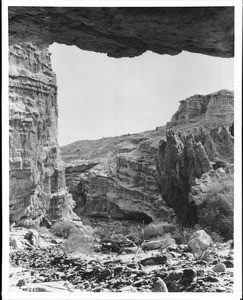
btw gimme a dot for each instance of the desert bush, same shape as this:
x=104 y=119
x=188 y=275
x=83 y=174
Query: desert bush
x=77 y=240
x=79 y=243
x=136 y=237
x=63 y=229
x=217 y=209
x=215 y=237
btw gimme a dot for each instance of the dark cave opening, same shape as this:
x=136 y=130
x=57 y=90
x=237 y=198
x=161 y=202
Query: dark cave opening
x=138 y=216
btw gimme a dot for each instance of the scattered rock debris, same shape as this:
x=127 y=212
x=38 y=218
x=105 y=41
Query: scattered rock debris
x=48 y=268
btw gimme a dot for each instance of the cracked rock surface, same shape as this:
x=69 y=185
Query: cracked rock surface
x=127 y=31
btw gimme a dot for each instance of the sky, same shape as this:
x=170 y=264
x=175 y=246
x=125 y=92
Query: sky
x=100 y=96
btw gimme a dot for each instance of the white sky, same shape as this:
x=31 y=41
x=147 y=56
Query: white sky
x=101 y=96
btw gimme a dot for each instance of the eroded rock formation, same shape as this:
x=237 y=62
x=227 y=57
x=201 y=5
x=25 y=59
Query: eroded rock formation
x=127 y=31
x=182 y=158
x=37 y=176
x=126 y=183
x=119 y=182
x=37 y=181
x=211 y=110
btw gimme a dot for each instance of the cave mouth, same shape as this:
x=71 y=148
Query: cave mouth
x=138 y=216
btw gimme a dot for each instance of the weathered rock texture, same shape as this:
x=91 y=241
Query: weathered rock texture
x=37 y=182
x=211 y=110
x=37 y=177
x=213 y=195
x=182 y=158
x=118 y=180
x=127 y=31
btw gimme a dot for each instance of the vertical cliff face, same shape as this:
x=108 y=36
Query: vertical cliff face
x=37 y=180
x=213 y=109
x=183 y=158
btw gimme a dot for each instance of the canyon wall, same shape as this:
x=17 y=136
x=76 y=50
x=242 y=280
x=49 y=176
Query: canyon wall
x=145 y=176
x=127 y=31
x=119 y=182
x=120 y=179
x=37 y=181
x=37 y=173
x=183 y=158
x=212 y=110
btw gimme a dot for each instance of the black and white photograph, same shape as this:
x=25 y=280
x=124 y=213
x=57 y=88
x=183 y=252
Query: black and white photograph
x=122 y=149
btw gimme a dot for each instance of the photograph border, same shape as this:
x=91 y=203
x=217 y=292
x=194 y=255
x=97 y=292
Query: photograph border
x=237 y=294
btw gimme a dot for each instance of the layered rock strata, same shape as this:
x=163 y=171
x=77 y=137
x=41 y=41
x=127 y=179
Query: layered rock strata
x=182 y=158
x=125 y=182
x=127 y=31
x=124 y=187
x=37 y=176
x=211 y=110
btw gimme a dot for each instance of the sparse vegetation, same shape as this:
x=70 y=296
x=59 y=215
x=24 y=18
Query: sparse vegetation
x=63 y=229
x=77 y=241
x=217 y=210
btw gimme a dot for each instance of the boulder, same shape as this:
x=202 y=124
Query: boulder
x=21 y=282
x=33 y=237
x=199 y=241
x=150 y=261
x=160 y=286
x=219 y=268
x=228 y=263
x=188 y=276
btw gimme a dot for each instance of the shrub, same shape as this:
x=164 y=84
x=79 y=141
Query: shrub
x=79 y=243
x=217 y=209
x=63 y=229
x=77 y=240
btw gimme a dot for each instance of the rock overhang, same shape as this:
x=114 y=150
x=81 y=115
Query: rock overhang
x=127 y=31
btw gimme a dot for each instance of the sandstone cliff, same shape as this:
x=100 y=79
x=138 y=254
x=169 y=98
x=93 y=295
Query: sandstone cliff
x=208 y=110
x=37 y=177
x=116 y=178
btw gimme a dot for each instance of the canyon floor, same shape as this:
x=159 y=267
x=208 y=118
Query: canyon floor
x=43 y=266
x=152 y=211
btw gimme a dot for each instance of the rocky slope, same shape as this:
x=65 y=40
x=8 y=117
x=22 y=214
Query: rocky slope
x=116 y=177
x=130 y=177
x=37 y=178
x=127 y=31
